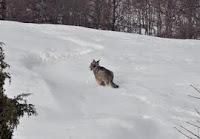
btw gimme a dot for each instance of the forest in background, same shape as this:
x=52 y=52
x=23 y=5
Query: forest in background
x=162 y=18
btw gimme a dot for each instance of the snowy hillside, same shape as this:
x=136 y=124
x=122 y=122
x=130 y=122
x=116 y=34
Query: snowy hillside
x=52 y=62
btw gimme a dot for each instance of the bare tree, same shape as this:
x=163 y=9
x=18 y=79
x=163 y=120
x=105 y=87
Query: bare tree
x=96 y=12
x=2 y=9
x=115 y=6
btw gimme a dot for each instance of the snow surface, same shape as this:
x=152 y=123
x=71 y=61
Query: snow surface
x=52 y=62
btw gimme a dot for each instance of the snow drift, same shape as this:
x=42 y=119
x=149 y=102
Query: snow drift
x=52 y=63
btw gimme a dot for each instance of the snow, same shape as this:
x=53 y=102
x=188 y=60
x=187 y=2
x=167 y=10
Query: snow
x=52 y=62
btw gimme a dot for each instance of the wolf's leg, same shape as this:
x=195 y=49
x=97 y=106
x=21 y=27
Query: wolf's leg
x=101 y=82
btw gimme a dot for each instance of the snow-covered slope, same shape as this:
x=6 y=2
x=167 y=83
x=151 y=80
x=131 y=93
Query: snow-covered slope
x=52 y=62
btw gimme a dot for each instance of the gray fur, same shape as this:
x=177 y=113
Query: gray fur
x=102 y=75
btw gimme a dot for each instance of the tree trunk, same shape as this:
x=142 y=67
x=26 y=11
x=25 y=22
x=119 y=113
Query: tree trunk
x=2 y=9
x=113 y=14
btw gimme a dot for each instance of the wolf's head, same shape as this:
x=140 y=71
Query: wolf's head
x=94 y=64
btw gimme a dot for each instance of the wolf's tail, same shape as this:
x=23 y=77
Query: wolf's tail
x=114 y=85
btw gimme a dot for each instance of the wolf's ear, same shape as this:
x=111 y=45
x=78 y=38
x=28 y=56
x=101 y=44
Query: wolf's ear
x=98 y=61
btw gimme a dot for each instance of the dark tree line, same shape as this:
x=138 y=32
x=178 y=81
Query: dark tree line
x=11 y=109
x=163 y=18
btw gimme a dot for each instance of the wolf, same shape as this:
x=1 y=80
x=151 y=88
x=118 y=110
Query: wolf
x=102 y=75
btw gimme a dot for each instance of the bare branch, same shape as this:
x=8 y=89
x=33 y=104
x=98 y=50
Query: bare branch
x=195 y=88
x=190 y=132
x=183 y=133
x=192 y=124
x=197 y=111
x=193 y=97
